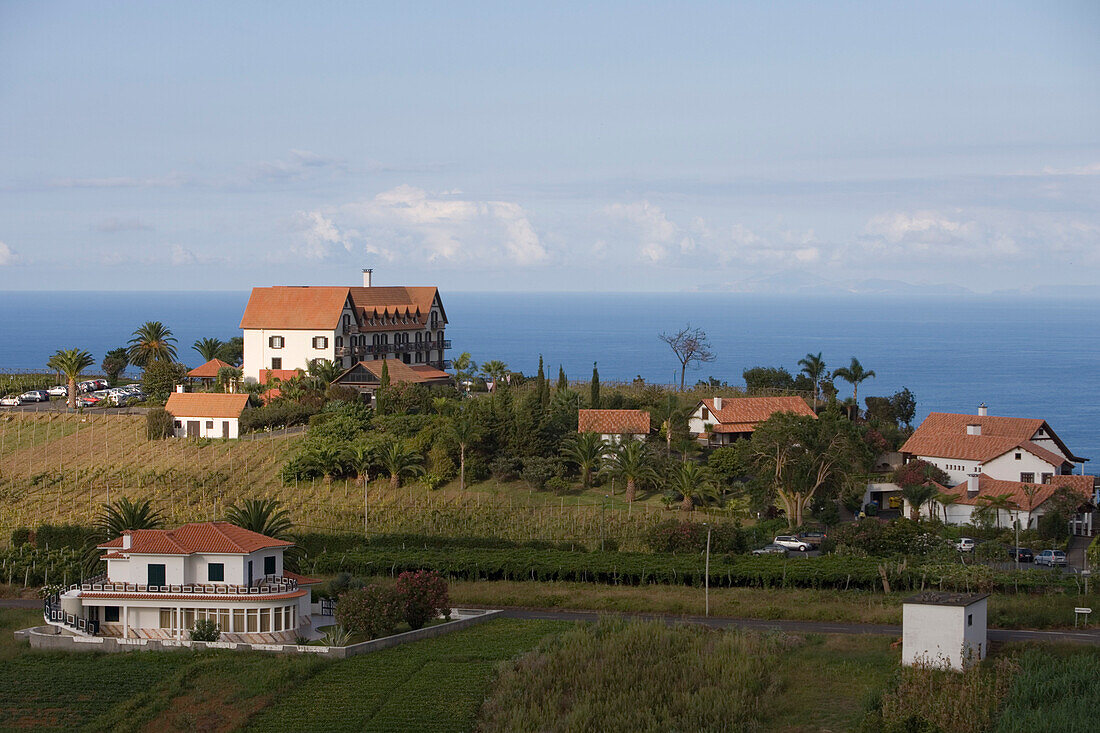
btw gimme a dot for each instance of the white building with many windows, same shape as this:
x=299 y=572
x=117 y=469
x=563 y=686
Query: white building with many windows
x=159 y=582
x=287 y=327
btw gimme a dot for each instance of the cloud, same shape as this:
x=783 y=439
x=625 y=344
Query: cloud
x=299 y=165
x=172 y=180
x=115 y=224
x=7 y=255
x=653 y=233
x=182 y=256
x=412 y=224
x=1092 y=169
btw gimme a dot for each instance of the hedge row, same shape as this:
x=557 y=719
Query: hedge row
x=35 y=568
x=622 y=568
x=317 y=543
x=56 y=536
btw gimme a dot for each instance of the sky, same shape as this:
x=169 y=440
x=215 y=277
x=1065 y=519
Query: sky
x=553 y=147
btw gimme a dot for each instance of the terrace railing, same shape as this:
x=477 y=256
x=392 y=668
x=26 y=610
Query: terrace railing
x=53 y=613
x=266 y=586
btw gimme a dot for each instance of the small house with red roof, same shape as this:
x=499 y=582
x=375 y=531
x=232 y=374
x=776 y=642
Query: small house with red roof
x=206 y=414
x=724 y=420
x=1025 y=501
x=207 y=374
x=159 y=582
x=614 y=426
x=366 y=376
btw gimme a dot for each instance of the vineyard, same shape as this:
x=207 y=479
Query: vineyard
x=58 y=468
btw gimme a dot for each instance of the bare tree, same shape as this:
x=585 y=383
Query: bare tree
x=690 y=345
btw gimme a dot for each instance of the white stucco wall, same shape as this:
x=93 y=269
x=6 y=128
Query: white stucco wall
x=940 y=635
x=616 y=438
x=296 y=353
x=192 y=569
x=1007 y=468
x=215 y=430
x=957 y=469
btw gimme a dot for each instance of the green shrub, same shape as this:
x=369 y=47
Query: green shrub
x=274 y=416
x=161 y=377
x=537 y=471
x=158 y=424
x=681 y=536
x=20 y=536
x=506 y=468
x=205 y=629
x=423 y=596
x=72 y=536
x=374 y=610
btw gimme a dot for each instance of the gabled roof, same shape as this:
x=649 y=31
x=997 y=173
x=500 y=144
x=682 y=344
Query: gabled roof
x=987 y=487
x=370 y=372
x=215 y=537
x=613 y=422
x=741 y=414
x=295 y=307
x=205 y=404
x=944 y=435
x=209 y=370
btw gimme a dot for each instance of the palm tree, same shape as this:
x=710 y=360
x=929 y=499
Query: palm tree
x=854 y=374
x=465 y=432
x=495 y=370
x=208 y=348
x=325 y=371
x=693 y=483
x=946 y=500
x=265 y=516
x=997 y=503
x=442 y=405
x=399 y=460
x=813 y=367
x=918 y=495
x=361 y=458
x=631 y=462
x=71 y=362
x=587 y=450
x=126 y=515
x=153 y=341
x=1030 y=491
x=328 y=459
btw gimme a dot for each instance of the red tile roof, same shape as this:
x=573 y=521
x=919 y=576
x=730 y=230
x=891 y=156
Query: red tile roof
x=987 y=487
x=216 y=537
x=269 y=375
x=370 y=372
x=741 y=414
x=613 y=422
x=205 y=404
x=301 y=579
x=944 y=435
x=320 y=307
x=209 y=370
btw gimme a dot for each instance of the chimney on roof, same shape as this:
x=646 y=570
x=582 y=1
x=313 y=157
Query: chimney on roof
x=366 y=276
x=973 y=429
x=983 y=410
x=717 y=403
x=972 y=485
x=126 y=538
x=179 y=388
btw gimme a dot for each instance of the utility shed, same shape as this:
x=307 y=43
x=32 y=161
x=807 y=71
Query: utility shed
x=944 y=629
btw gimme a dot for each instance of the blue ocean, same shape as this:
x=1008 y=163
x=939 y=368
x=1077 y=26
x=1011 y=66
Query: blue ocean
x=1022 y=356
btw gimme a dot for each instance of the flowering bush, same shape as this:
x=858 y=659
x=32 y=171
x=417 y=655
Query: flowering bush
x=373 y=609
x=205 y=629
x=423 y=595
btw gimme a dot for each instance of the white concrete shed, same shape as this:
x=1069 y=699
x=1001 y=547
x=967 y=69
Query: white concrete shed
x=944 y=629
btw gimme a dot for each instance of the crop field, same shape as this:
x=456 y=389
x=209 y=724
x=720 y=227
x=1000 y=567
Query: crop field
x=58 y=468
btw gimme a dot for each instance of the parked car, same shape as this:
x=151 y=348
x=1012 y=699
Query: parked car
x=88 y=400
x=35 y=395
x=1050 y=558
x=1021 y=553
x=966 y=544
x=813 y=536
x=12 y=400
x=791 y=542
x=100 y=383
x=771 y=550
x=61 y=390
x=87 y=386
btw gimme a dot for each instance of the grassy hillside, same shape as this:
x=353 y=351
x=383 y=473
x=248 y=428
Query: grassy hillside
x=60 y=468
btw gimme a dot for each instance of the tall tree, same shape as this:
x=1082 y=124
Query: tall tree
x=594 y=388
x=632 y=463
x=264 y=516
x=208 y=348
x=114 y=364
x=400 y=460
x=690 y=345
x=494 y=370
x=997 y=503
x=232 y=351
x=854 y=374
x=945 y=500
x=465 y=369
x=70 y=363
x=543 y=388
x=918 y=495
x=813 y=366
x=465 y=432
x=126 y=514
x=563 y=382
x=152 y=341
x=587 y=450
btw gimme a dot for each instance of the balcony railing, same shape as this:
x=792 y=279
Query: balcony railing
x=375 y=349
x=53 y=613
x=265 y=586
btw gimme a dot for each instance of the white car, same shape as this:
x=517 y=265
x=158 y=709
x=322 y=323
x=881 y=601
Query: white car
x=965 y=544
x=12 y=400
x=35 y=395
x=791 y=543
x=61 y=390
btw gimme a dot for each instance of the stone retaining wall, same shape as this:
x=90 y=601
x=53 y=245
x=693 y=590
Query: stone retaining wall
x=49 y=637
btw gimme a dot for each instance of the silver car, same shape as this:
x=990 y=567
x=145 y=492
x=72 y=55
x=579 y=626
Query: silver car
x=1050 y=558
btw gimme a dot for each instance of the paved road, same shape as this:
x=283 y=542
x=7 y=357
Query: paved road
x=804 y=627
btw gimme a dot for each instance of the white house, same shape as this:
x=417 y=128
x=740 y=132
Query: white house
x=944 y=629
x=1006 y=448
x=206 y=414
x=1029 y=501
x=159 y=582
x=287 y=327
x=723 y=420
x=614 y=425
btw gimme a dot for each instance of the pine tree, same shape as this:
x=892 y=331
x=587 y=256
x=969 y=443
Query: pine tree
x=382 y=394
x=563 y=383
x=594 y=395
x=542 y=388
x=384 y=380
